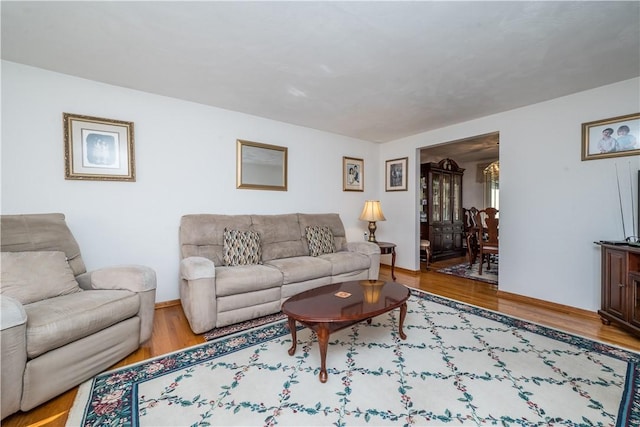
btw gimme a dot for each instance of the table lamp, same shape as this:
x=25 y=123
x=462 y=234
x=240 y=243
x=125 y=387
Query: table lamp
x=372 y=212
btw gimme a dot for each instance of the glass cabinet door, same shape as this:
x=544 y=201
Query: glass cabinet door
x=446 y=197
x=436 y=196
x=457 y=197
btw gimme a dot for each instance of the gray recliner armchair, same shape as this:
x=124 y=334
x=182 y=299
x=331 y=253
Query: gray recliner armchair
x=61 y=325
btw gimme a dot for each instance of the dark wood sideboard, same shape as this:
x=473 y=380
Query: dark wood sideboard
x=621 y=286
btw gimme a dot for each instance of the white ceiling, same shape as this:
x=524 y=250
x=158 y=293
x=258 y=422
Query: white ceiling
x=377 y=71
x=478 y=148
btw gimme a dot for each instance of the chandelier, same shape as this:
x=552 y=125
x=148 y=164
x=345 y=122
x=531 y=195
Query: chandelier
x=493 y=170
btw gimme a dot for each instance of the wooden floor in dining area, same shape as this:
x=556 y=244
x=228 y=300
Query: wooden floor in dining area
x=171 y=331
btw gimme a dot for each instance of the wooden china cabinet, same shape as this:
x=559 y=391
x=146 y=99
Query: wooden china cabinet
x=621 y=286
x=441 y=219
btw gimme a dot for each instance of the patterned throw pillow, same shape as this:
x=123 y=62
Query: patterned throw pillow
x=320 y=240
x=241 y=248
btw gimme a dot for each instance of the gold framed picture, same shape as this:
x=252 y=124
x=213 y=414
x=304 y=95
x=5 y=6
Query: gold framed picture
x=352 y=174
x=396 y=174
x=98 y=149
x=614 y=137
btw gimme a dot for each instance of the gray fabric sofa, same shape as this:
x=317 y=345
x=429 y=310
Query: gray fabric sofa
x=214 y=294
x=61 y=325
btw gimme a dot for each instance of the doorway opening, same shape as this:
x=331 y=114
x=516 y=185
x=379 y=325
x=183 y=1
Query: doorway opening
x=456 y=177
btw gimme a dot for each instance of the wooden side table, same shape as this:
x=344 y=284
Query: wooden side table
x=387 y=248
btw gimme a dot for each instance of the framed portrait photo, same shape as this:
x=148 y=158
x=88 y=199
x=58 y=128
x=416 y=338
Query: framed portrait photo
x=396 y=174
x=352 y=174
x=614 y=137
x=98 y=149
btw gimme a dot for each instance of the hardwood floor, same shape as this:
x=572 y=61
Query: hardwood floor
x=171 y=331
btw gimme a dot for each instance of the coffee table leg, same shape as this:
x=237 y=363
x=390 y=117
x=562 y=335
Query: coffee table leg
x=323 y=342
x=292 y=328
x=403 y=314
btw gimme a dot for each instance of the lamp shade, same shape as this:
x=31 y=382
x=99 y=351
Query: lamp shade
x=372 y=211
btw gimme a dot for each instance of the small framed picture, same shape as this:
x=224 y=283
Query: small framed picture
x=98 y=149
x=396 y=174
x=614 y=137
x=352 y=174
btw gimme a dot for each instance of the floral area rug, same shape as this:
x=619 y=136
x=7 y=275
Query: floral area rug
x=243 y=326
x=460 y=365
x=463 y=270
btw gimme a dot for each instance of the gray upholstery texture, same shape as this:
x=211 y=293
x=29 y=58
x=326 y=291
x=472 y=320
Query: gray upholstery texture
x=59 y=321
x=215 y=295
x=35 y=276
x=41 y=232
x=14 y=340
x=65 y=324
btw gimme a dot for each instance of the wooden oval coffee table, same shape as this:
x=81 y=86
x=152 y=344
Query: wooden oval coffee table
x=333 y=307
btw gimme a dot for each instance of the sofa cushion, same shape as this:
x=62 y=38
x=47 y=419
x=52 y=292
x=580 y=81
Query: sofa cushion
x=241 y=247
x=320 y=240
x=41 y=232
x=246 y=278
x=346 y=262
x=55 y=322
x=280 y=236
x=331 y=220
x=202 y=234
x=34 y=276
x=300 y=269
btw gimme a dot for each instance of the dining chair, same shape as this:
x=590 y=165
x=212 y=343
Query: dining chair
x=471 y=234
x=425 y=248
x=487 y=222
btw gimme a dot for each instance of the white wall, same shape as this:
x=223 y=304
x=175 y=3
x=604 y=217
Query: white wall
x=472 y=190
x=185 y=163
x=553 y=206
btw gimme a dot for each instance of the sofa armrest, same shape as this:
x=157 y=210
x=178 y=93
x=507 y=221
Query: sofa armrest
x=195 y=267
x=366 y=248
x=198 y=293
x=13 y=337
x=12 y=313
x=372 y=251
x=134 y=278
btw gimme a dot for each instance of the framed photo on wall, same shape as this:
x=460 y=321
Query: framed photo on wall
x=352 y=174
x=614 y=137
x=396 y=174
x=98 y=149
